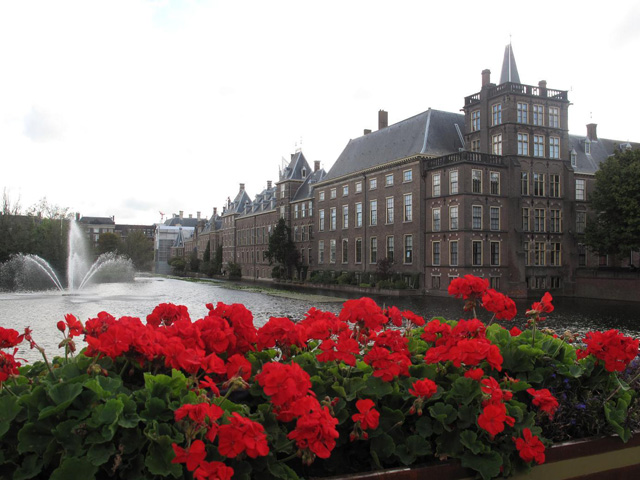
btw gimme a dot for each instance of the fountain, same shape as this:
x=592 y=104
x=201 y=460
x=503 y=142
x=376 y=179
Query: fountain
x=31 y=272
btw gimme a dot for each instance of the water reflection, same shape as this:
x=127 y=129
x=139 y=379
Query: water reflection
x=42 y=310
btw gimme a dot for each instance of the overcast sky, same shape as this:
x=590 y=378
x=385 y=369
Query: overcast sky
x=130 y=108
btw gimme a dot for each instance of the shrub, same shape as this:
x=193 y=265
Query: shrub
x=234 y=270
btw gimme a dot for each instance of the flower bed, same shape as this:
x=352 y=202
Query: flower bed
x=329 y=395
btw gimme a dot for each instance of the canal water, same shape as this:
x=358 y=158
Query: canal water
x=42 y=310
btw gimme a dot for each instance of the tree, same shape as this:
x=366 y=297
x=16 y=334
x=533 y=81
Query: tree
x=206 y=256
x=109 y=243
x=282 y=250
x=216 y=264
x=614 y=226
x=139 y=248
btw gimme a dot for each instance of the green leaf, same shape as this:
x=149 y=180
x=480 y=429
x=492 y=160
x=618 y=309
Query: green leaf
x=159 y=456
x=376 y=387
x=281 y=470
x=383 y=446
x=469 y=439
x=73 y=468
x=34 y=437
x=418 y=446
x=488 y=465
x=443 y=413
x=62 y=394
x=464 y=390
x=424 y=427
x=31 y=467
x=101 y=453
x=110 y=411
x=339 y=389
x=9 y=408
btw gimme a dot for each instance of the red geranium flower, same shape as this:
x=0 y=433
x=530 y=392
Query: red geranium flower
x=493 y=418
x=9 y=337
x=530 y=447
x=284 y=383
x=424 y=388
x=316 y=433
x=343 y=350
x=368 y=416
x=544 y=400
x=193 y=457
x=213 y=471
x=502 y=306
x=543 y=306
x=468 y=286
x=238 y=365
x=242 y=435
x=75 y=326
x=613 y=348
x=475 y=374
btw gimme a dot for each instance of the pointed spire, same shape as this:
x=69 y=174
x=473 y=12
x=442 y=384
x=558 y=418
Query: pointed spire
x=509 y=69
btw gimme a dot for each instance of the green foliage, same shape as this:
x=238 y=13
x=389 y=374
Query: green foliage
x=234 y=270
x=216 y=264
x=108 y=243
x=282 y=250
x=178 y=265
x=206 y=256
x=139 y=248
x=614 y=228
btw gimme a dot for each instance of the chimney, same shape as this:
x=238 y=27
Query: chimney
x=190 y=215
x=215 y=211
x=198 y=215
x=242 y=186
x=542 y=85
x=591 y=132
x=269 y=184
x=316 y=165
x=383 y=119
x=367 y=131
x=181 y=213
x=486 y=77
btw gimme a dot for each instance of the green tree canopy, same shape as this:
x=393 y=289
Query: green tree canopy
x=139 y=248
x=109 y=242
x=614 y=227
x=282 y=250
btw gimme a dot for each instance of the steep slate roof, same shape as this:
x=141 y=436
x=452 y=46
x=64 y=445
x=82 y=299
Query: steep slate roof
x=264 y=201
x=509 y=70
x=431 y=133
x=293 y=171
x=178 y=221
x=600 y=150
x=97 y=221
x=239 y=204
x=306 y=189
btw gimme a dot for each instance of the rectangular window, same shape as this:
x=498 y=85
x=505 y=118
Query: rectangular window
x=407 y=176
x=554 y=117
x=408 y=249
x=523 y=113
x=282 y=190
x=390 y=248
x=476 y=181
x=321 y=196
x=524 y=183
x=475 y=145
x=332 y=224
x=435 y=282
x=554 y=147
x=453 y=253
x=582 y=255
x=296 y=234
x=436 y=185
x=453 y=217
x=539 y=220
x=358 y=187
x=310 y=208
x=345 y=216
x=358 y=250
x=526 y=224
x=494 y=182
x=435 y=253
x=555 y=221
x=373 y=250
x=358 y=214
x=495 y=254
x=554 y=185
x=388 y=180
x=527 y=254
x=538 y=145
x=494 y=217
x=345 y=250
x=345 y=190
x=408 y=207
x=320 y=251
x=435 y=219
x=373 y=183
x=373 y=212
x=303 y=206
x=555 y=257
x=581 y=221
x=332 y=251
x=390 y=210
x=523 y=144
x=321 y=220
x=476 y=253
x=332 y=193
x=538 y=184
x=580 y=194
x=496 y=114
x=538 y=114
x=475 y=120
x=539 y=254
x=476 y=217
x=453 y=182
x=496 y=144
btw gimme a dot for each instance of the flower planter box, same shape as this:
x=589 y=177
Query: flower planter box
x=591 y=459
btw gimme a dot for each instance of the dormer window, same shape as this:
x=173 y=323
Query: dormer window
x=304 y=173
x=574 y=158
x=587 y=147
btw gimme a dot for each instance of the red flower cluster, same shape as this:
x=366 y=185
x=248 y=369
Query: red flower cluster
x=468 y=287
x=423 y=389
x=544 y=400
x=194 y=458
x=344 y=349
x=365 y=313
x=530 y=447
x=466 y=343
x=543 y=306
x=282 y=333
x=9 y=337
x=613 y=348
x=315 y=434
x=242 y=435
x=502 y=306
x=494 y=411
x=368 y=418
